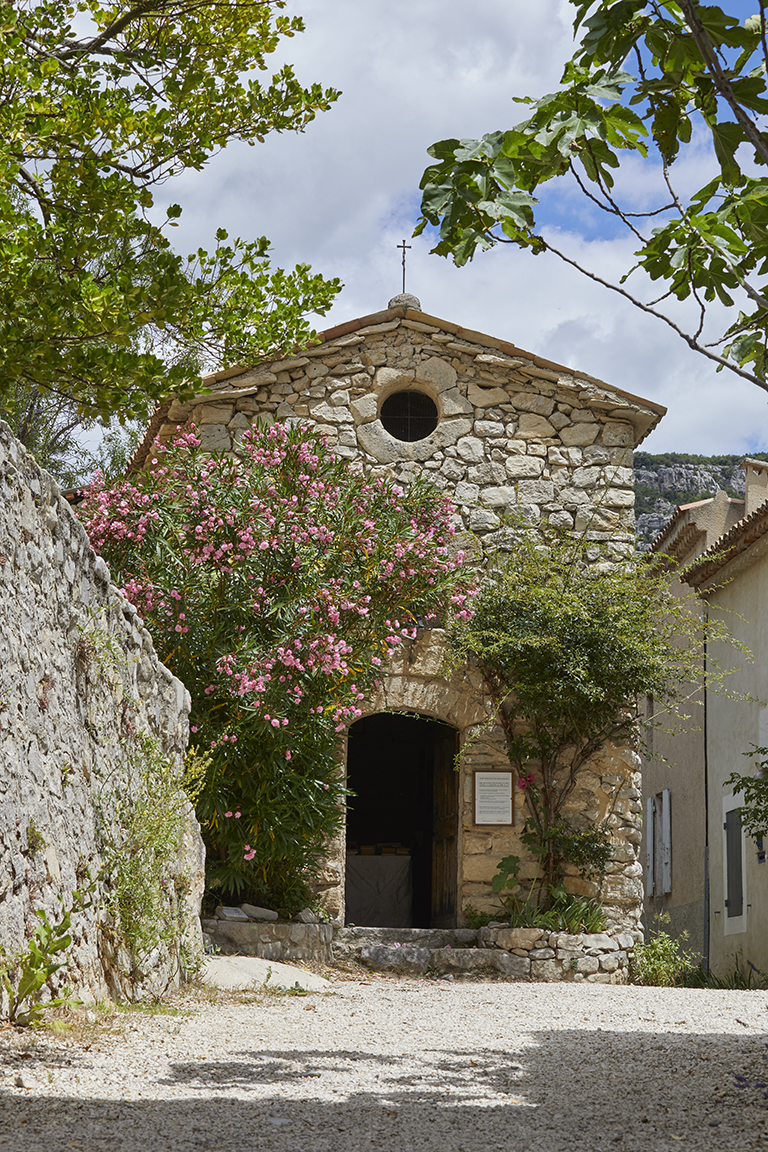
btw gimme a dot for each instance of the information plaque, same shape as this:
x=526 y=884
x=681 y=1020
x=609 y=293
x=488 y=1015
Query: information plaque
x=493 y=798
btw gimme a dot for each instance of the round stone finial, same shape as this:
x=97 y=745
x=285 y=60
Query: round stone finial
x=405 y=300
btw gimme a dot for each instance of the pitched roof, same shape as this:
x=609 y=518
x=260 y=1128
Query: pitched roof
x=643 y=414
x=730 y=547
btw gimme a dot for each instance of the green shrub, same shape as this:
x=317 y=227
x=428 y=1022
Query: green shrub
x=474 y=918
x=25 y=977
x=661 y=961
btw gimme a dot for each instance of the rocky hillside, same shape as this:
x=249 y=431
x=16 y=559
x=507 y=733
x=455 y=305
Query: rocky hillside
x=664 y=482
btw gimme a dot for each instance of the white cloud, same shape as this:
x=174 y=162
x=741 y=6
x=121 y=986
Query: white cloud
x=345 y=193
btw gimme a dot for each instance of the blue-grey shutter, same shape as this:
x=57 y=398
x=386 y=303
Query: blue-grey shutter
x=735 y=895
x=649 y=845
x=666 y=842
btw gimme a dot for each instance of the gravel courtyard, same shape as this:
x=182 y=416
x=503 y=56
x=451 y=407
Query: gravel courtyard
x=403 y=1065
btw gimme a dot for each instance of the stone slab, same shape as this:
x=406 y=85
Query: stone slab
x=243 y=973
x=256 y=913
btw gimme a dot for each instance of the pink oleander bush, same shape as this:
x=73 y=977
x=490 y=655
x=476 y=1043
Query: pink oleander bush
x=275 y=585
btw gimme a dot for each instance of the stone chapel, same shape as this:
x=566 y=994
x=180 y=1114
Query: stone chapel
x=497 y=428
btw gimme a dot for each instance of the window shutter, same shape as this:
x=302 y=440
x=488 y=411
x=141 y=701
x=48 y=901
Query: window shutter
x=649 y=845
x=733 y=864
x=666 y=842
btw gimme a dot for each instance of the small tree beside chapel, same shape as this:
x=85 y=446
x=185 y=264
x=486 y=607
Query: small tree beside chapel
x=570 y=643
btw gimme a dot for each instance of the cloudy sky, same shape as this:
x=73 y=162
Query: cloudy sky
x=346 y=192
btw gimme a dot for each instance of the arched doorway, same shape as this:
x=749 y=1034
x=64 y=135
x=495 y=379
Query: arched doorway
x=402 y=822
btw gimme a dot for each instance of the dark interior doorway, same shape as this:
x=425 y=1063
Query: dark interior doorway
x=402 y=822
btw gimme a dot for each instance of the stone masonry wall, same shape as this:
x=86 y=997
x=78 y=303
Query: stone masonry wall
x=514 y=432
x=78 y=679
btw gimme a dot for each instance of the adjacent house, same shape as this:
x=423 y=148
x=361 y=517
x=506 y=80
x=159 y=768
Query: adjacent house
x=700 y=869
x=497 y=428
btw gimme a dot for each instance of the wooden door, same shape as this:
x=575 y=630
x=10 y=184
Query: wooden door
x=445 y=814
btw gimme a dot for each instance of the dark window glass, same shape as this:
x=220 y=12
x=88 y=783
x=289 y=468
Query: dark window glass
x=409 y=415
x=735 y=901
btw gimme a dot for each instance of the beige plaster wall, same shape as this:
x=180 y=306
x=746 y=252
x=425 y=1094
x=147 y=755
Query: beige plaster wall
x=675 y=760
x=733 y=727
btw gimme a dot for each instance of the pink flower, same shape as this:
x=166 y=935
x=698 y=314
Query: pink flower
x=227 y=813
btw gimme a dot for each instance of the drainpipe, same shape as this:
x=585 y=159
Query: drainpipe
x=706 y=802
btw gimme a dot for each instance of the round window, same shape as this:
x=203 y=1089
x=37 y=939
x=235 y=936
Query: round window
x=409 y=415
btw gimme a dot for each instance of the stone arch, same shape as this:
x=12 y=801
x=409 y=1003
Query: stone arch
x=416 y=683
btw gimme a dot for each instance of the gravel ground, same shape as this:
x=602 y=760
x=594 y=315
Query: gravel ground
x=400 y=1064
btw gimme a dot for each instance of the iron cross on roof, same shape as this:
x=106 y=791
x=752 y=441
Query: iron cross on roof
x=404 y=246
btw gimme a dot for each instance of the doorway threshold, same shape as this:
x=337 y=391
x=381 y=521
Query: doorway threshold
x=347 y=942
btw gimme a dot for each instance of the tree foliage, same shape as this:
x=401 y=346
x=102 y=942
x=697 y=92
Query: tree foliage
x=274 y=585
x=100 y=105
x=568 y=643
x=648 y=78
x=754 y=789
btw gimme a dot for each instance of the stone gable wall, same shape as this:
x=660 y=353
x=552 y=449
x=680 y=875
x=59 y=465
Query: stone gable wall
x=510 y=434
x=78 y=676
x=514 y=433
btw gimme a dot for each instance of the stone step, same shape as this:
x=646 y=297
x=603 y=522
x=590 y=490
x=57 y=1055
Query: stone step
x=349 y=942
x=411 y=959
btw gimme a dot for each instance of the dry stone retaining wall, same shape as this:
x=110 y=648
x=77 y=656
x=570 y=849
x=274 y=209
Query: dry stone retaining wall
x=517 y=953
x=79 y=680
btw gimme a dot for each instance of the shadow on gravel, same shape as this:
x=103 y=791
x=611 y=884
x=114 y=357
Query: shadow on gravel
x=572 y=1091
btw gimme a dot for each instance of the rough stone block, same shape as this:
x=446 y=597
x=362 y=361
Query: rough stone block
x=499 y=497
x=533 y=402
x=365 y=408
x=437 y=372
x=600 y=941
x=471 y=449
x=478 y=867
x=535 y=492
x=524 y=467
x=546 y=970
x=317 y=369
x=328 y=412
x=617 y=434
x=483 y=520
x=234 y=914
x=475 y=843
x=257 y=913
x=566 y=940
x=488 y=428
x=405 y=959
x=579 y=435
x=532 y=427
x=609 y=962
x=518 y=937
x=215 y=413
x=466 y=493
x=486 y=397
x=463 y=959
x=452 y=403
x=214 y=438
x=511 y=965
